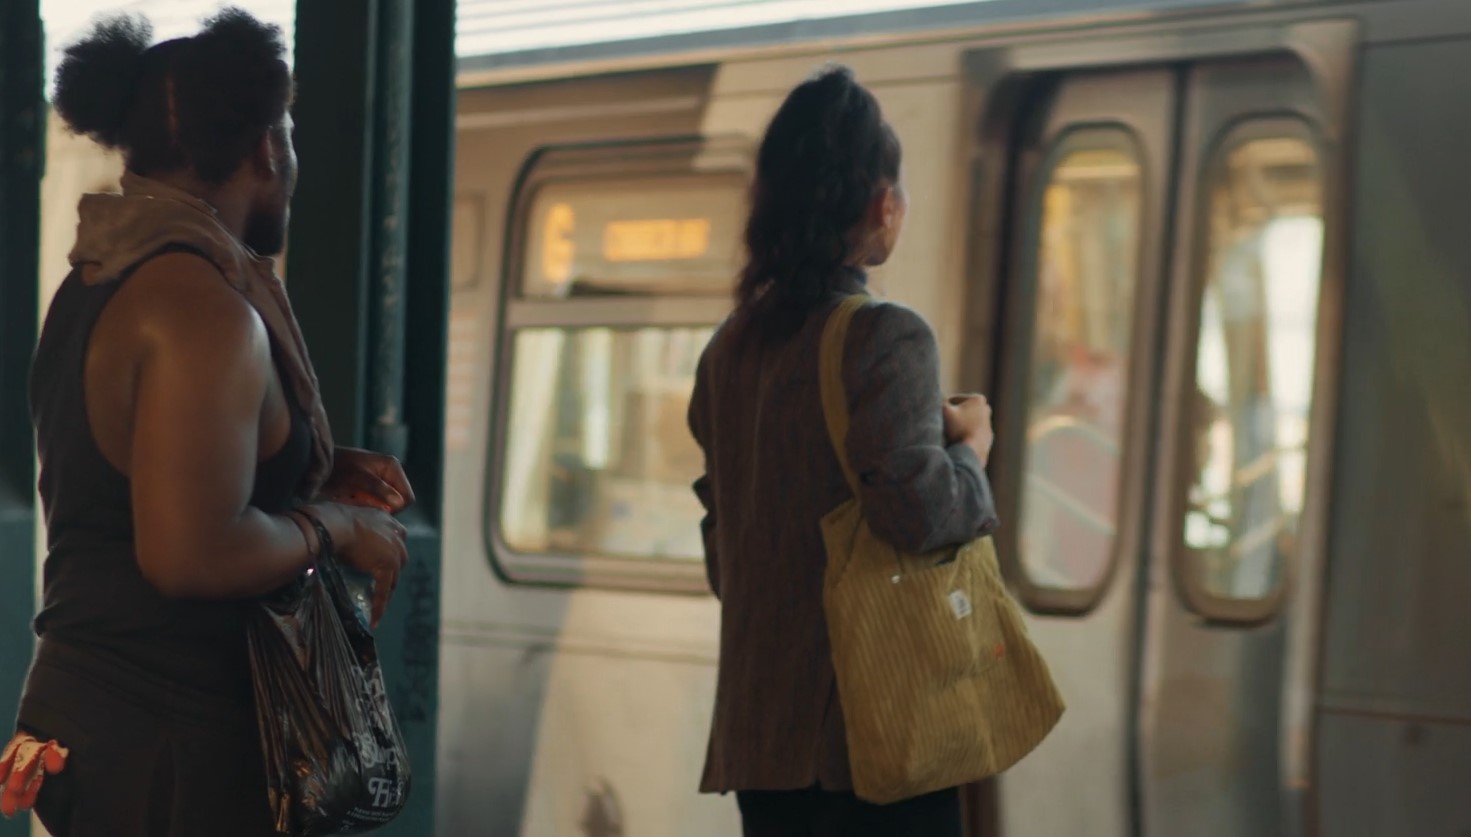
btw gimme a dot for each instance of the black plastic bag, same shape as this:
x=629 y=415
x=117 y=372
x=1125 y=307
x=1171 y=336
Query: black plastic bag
x=335 y=760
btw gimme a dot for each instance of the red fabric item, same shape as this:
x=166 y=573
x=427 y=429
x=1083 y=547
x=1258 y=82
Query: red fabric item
x=24 y=764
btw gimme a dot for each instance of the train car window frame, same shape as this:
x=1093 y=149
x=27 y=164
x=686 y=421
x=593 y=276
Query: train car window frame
x=1081 y=137
x=605 y=317
x=1186 y=571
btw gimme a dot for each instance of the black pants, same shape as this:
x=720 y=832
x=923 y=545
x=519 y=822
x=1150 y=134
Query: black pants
x=145 y=768
x=819 y=813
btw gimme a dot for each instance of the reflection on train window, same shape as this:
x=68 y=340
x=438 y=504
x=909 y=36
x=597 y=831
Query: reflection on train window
x=1087 y=260
x=675 y=234
x=598 y=458
x=1254 y=366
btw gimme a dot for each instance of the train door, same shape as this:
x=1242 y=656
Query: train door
x=1158 y=334
x=1235 y=515
x=1075 y=395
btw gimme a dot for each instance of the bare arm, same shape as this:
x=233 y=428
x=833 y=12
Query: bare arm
x=202 y=382
x=918 y=493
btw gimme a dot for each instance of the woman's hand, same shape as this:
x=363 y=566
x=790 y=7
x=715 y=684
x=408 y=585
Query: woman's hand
x=24 y=765
x=365 y=478
x=968 y=422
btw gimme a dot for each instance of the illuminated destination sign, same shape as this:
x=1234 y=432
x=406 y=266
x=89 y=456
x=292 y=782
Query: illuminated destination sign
x=656 y=239
x=659 y=235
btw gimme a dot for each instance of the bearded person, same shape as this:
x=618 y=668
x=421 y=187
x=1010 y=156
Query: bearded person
x=187 y=467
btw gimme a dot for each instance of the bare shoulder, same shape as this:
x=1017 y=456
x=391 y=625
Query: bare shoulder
x=182 y=306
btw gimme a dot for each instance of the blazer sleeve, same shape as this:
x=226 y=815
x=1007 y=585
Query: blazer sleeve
x=699 y=424
x=918 y=493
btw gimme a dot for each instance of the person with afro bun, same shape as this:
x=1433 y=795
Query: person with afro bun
x=187 y=466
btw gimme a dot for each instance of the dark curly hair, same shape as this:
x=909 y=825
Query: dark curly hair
x=826 y=154
x=201 y=102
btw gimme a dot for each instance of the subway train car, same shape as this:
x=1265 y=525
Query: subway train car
x=1210 y=260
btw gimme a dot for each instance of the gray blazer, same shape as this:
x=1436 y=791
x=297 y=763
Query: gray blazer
x=770 y=476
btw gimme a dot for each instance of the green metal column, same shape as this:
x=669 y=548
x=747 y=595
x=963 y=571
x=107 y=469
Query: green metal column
x=368 y=272
x=22 y=138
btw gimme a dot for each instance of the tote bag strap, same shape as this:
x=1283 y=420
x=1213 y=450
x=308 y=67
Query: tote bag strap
x=830 y=371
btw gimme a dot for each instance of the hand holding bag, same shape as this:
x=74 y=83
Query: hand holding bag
x=336 y=762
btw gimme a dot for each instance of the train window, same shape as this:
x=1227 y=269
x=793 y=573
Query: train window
x=1086 y=274
x=603 y=462
x=1255 y=351
x=621 y=265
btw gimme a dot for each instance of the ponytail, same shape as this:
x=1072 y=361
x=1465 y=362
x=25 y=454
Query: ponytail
x=826 y=154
